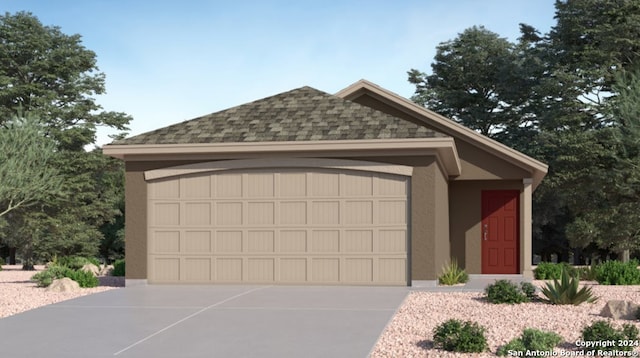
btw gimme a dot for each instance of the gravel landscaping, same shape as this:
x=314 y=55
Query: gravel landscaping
x=18 y=293
x=410 y=332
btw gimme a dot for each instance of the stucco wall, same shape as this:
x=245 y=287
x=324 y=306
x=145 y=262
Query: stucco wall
x=466 y=216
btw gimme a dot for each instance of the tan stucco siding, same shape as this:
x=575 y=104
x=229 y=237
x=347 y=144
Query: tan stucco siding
x=429 y=221
x=481 y=165
x=466 y=216
x=136 y=215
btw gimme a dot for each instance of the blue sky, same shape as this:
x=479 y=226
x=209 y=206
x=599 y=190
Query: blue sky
x=168 y=61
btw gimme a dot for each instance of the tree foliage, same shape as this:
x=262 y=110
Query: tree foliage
x=27 y=173
x=53 y=76
x=570 y=98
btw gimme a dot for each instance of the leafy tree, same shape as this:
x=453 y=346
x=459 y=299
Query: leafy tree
x=474 y=81
x=52 y=75
x=27 y=173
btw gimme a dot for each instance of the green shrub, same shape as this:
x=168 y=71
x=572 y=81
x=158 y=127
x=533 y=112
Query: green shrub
x=547 y=271
x=529 y=290
x=118 y=268
x=531 y=340
x=458 y=336
x=83 y=278
x=618 y=273
x=565 y=291
x=53 y=272
x=76 y=262
x=452 y=274
x=601 y=331
x=504 y=291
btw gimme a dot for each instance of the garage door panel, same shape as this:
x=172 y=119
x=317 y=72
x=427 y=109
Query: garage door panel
x=167 y=242
x=261 y=241
x=229 y=213
x=166 y=270
x=325 y=241
x=261 y=270
x=228 y=185
x=229 y=269
x=293 y=184
x=392 y=241
x=165 y=189
x=261 y=213
x=358 y=185
x=260 y=185
x=196 y=186
x=358 y=241
x=325 y=213
x=197 y=214
x=325 y=184
x=229 y=242
x=293 y=241
x=314 y=226
x=293 y=213
x=293 y=270
x=165 y=214
x=326 y=270
x=392 y=212
x=197 y=241
x=358 y=212
x=359 y=270
x=197 y=269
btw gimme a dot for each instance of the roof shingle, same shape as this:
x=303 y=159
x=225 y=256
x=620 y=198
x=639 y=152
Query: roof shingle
x=301 y=114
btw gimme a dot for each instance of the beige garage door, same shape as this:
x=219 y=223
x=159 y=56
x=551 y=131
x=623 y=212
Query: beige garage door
x=299 y=226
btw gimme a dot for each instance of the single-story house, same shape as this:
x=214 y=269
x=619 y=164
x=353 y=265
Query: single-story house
x=363 y=187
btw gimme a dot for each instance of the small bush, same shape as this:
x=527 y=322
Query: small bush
x=565 y=291
x=458 y=336
x=531 y=340
x=618 y=273
x=452 y=274
x=46 y=277
x=504 y=291
x=83 y=278
x=601 y=331
x=118 y=268
x=529 y=290
x=76 y=262
x=547 y=271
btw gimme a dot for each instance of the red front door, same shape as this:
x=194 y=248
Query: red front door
x=499 y=234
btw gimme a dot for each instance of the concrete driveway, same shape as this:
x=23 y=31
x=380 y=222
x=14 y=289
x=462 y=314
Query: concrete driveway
x=206 y=321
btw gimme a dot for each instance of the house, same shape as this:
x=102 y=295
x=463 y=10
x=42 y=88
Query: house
x=304 y=187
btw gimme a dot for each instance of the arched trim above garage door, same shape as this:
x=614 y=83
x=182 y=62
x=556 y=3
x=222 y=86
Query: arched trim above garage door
x=278 y=163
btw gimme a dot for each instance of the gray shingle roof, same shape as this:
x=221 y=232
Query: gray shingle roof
x=298 y=115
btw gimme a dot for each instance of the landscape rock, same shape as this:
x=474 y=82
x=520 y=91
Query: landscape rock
x=64 y=284
x=106 y=270
x=619 y=309
x=95 y=270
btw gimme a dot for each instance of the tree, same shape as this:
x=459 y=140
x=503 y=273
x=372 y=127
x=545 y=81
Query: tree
x=27 y=176
x=52 y=75
x=474 y=81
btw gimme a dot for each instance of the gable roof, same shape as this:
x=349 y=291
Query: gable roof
x=303 y=114
x=446 y=126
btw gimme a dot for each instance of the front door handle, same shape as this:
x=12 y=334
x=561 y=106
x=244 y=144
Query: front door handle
x=485 y=231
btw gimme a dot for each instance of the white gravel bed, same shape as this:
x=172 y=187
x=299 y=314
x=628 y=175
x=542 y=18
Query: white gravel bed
x=410 y=332
x=18 y=293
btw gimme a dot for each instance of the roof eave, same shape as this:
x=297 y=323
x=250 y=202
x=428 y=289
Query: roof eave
x=537 y=169
x=443 y=148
